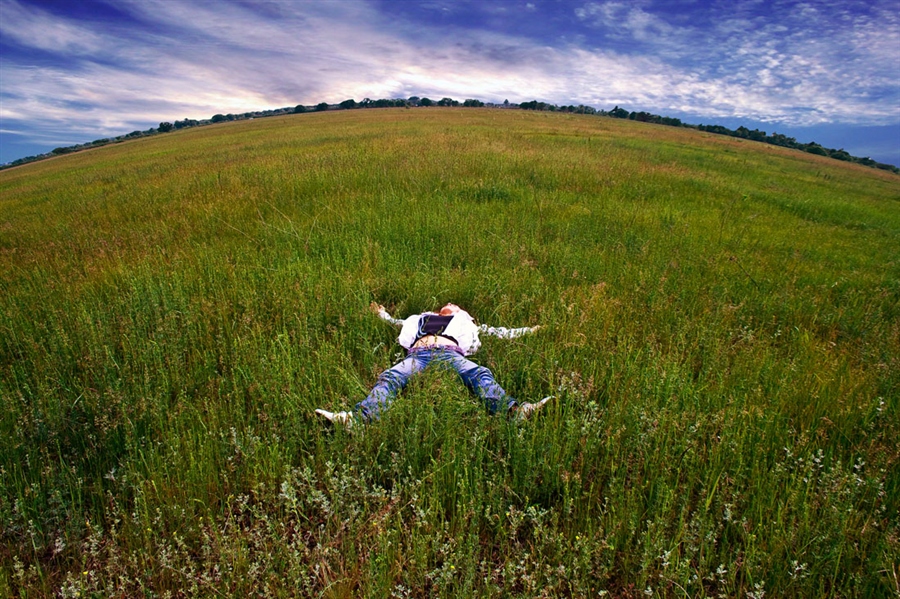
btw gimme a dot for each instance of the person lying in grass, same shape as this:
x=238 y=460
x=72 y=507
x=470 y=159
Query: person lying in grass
x=445 y=337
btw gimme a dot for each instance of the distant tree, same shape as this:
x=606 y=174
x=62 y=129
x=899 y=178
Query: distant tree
x=321 y=106
x=414 y=100
x=473 y=103
x=717 y=129
x=165 y=127
x=535 y=105
x=643 y=117
x=619 y=113
x=299 y=109
x=218 y=118
x=506 y=103
x=382 y=103
x=840 y=155
x=757 y=135
x=347 y=104
x=447 y=102
x=778 y=139
x=426 y=102
x=814 y=148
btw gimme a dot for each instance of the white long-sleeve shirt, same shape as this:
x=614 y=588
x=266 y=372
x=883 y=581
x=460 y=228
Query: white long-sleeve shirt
x=462 y=327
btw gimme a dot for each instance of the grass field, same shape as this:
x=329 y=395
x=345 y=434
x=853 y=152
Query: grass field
x=721 y=330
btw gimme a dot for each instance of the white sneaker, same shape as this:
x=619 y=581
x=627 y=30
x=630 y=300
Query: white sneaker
x=343 y=418
x=526 y=410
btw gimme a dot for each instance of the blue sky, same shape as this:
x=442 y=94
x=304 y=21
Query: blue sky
x=825 y=71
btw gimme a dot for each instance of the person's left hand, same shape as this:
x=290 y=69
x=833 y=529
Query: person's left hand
x=376 y=307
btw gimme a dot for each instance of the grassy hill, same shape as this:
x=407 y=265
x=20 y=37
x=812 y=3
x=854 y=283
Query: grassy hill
x=721 y=330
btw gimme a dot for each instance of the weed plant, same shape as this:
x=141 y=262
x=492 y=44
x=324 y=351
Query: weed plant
x=721 y=331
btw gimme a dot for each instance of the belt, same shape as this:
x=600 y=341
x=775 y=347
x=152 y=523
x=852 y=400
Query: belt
x=430 y=340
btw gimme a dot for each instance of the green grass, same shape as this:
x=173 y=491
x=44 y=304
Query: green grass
x=722 y=331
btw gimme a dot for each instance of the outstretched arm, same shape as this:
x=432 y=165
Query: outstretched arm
x=383 y=314
x=505 y=333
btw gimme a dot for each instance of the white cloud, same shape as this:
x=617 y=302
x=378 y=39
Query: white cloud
x=629 y=20
x=41 y=30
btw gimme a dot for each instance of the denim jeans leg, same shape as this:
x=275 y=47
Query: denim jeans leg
x=389 y=384
x=481 y=382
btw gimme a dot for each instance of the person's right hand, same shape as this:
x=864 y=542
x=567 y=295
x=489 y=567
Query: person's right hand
x=376 y=307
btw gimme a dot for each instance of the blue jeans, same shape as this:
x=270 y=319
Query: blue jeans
x=478 y=379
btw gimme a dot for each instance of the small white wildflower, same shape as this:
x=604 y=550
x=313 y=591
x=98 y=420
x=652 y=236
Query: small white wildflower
x=757 y=592
x=798 y=570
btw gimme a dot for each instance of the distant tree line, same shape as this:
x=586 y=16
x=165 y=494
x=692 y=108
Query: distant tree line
x=163 y=127
x=776 y=139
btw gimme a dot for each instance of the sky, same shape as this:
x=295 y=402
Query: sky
x=72 y=71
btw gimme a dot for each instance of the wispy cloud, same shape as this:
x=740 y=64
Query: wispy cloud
x=626 y=20
x=802 y=63
x=40 y=30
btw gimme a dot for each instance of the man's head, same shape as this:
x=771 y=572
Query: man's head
x=449 y=310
